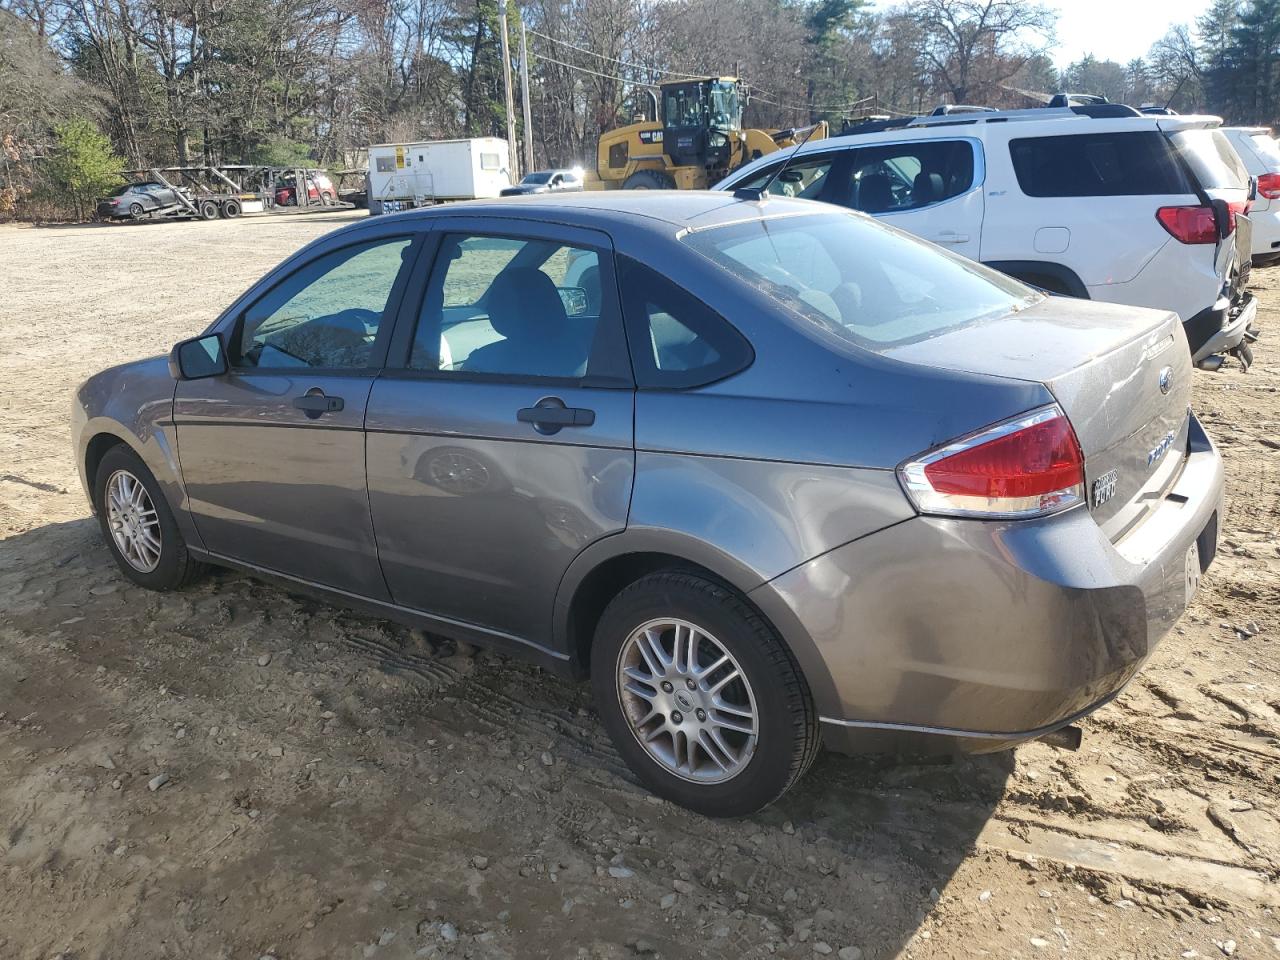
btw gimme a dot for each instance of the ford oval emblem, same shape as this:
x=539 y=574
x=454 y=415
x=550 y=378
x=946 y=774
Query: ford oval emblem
x=1166 y=379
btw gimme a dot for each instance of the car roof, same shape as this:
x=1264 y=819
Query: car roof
x=680 y=209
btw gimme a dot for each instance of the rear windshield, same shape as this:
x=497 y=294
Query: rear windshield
x=122 y=190
x=869 y=284
x=1266 y=148
x=1212 y=158
x=1097 y=165
x=542 y=177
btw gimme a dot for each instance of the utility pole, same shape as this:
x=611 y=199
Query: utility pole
x=524 y=98
x=513 y=157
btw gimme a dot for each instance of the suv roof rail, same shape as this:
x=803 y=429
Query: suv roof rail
x=1076 y=99
x=946 y=109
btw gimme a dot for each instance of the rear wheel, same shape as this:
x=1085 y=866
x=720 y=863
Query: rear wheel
x=230 y=208
x=649 y=180
x=700 y=696
x=138 y=525
x=326 y=199
x=135 y=209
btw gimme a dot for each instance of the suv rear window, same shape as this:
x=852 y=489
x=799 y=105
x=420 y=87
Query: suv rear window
x=1265 y=146
x=1212 y=158
x=1097 y=165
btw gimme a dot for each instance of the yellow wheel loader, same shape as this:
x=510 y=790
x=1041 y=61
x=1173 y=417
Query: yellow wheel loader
x=692 y=138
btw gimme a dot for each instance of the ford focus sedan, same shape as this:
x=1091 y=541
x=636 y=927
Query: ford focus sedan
x=770 y=474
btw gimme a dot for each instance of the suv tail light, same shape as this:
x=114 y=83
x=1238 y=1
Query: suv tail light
x=1269 y=186
x=1195 y=224
x=1029 y=466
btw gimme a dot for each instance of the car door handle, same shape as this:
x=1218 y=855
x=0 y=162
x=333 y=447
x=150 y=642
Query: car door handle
x=550 y=415
x=950 y=236
x=314 y=404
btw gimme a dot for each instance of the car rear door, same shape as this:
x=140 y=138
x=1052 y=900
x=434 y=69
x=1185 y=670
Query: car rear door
x=272 y=451
x=500 y=437
x=931 y=188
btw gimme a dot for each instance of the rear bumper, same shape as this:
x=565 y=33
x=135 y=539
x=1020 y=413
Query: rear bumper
x=1220 y=328
x=973 y=635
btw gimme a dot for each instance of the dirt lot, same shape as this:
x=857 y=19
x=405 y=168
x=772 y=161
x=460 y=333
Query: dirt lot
x=340 y=787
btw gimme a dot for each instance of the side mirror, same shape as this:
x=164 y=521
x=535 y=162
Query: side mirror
x=198 y=358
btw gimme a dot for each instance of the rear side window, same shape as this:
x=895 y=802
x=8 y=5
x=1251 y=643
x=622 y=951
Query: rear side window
x=1267 y=150
x=1211 y=157
x=676 y=339
x=1098 y=165
x=909 y=176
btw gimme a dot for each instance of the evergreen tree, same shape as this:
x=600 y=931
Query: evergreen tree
x=83 y=166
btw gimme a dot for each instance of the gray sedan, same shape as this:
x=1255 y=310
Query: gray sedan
x=769 y=473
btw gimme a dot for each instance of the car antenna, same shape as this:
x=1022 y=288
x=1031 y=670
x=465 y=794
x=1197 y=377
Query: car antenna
x=761 y=193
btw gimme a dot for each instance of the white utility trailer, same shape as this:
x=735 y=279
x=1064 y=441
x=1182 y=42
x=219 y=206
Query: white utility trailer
x=407 y=175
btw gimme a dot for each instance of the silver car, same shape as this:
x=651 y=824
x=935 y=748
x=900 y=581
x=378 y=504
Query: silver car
x=769 y=473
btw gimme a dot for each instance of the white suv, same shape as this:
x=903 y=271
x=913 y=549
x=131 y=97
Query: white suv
x=1089 y=201
x=1261 y=156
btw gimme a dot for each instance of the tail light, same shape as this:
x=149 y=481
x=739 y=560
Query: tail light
x=1269 y=186
x=1190 y=224
x=1029 y=466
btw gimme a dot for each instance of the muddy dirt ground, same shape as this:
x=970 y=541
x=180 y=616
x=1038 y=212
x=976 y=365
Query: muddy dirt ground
x=340 y=787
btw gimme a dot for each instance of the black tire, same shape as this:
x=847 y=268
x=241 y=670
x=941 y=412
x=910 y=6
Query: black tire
x=209 y=210
x=135 y=209
x=649 y=180
x=175 y=567
x=787 y=723
x=326 y=199
x=230 y=209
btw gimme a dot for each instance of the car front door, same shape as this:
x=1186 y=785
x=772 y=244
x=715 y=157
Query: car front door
x=500 y=437
x=272 y=452
x=931 y=188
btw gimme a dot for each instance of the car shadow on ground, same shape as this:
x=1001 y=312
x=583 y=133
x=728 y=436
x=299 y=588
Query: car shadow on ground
x=855 y=855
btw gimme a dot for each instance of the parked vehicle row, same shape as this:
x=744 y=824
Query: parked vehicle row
x=1096 y=201
x=769 y=474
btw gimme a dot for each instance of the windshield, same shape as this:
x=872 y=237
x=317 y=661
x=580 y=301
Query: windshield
x=542 y=176
x=871 y=285
x=1212 y=158
x=1267 y=149
x=725 y=113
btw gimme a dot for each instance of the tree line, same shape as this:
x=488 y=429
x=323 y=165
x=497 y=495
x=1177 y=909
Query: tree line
x=312 y=82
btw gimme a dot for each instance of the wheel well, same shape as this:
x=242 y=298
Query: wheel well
x=604 y=583
x=93 y=455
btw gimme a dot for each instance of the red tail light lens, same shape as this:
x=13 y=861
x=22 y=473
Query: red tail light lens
x=1190 y=224
x=1269 y=186
x=1029 y=466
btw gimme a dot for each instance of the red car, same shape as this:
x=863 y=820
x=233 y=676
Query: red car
x=320 y=189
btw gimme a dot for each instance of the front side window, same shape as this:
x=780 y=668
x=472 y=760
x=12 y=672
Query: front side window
x=684 y=106
x=1097 y=165
x=805 y=178
x=326 y=314
x=909 y=176
x=502 y=305
x=864 y=283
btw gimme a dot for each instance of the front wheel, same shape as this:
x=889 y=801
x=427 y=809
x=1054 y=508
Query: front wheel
x=649 y=180
x=700 y=695
x=138 y=525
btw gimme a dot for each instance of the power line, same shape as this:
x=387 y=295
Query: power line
x=625 y=63
x=597 y=73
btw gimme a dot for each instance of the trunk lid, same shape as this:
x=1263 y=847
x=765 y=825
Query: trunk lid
x=1121 y=374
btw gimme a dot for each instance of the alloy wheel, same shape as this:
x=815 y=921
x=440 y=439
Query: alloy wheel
x=133 y=521
x=687 y=701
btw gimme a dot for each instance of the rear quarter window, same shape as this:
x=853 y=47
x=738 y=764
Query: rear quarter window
x=1098 y=165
